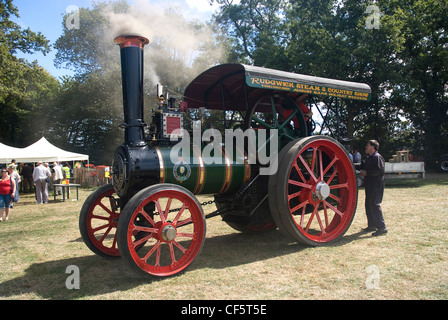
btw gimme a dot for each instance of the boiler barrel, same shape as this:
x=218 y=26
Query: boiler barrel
x=137 y=168
x=201 y=175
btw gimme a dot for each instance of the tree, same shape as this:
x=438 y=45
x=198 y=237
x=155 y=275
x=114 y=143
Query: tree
x=89 y=109
x=23 y=86
x=422 y=88
x=404 y=60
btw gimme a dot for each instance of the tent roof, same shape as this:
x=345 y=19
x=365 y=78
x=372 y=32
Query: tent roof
x=41 y=150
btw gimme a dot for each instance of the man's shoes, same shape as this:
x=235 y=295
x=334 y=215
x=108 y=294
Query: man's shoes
x=379 y=232
x=368 y=229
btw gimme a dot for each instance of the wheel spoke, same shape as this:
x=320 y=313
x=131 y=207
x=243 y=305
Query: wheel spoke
x=105 y=208
x=184 y=222
x=173 y=257
x=185 y=235
x=179 y=214
x=332 y=196
x=100 y=217
x=299 y=172
x=179 y=246
x=322 y=173
x=322 y=229
x=300 y=184
x=303 y=204
x=158 y=251
x=100 y=227
x=330 y=165
x=145 y=229
x=105 y=234
x=160 y=211
x=264 y=124
x=311 y=219
x=332 y=176
x=311 y=173
x=150 y=252
x=167 y=209
x=325 y=214
x=142 y=240
x=302 y=218
x=339 y=186
x=288 y=120
x=147 y=217
x=294 y=195
x=333 y=208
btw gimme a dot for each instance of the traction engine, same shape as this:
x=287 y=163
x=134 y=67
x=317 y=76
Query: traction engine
x=150 y=215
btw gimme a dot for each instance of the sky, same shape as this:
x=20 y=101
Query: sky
x=45 y=16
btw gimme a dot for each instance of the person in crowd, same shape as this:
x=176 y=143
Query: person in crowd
x=16 y=177
x=40 y=176
x=356 y=156
x=7 y=188
x=27 y=178
x=66 y=172
x=372 y=169
x=57 y=177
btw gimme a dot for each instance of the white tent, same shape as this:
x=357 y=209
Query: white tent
x=41 y=150
x=7 y=153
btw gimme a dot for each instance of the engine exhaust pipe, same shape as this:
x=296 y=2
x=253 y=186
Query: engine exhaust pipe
x=131 y=51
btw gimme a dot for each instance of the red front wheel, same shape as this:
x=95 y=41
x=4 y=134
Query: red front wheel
x=161 y=230
x=314 y=195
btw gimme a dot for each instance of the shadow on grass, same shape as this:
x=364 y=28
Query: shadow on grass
x=47 y=280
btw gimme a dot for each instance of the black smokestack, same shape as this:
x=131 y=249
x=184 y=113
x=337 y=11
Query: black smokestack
x=131 y=50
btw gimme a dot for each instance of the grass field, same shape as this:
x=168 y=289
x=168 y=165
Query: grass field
x=39 y=242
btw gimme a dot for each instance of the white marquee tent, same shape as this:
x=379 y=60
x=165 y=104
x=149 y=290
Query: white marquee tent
x=41 y=150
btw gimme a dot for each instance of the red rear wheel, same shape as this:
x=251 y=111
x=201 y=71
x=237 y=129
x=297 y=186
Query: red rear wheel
x=98 y=221
x=315 y=193
x=161 y=230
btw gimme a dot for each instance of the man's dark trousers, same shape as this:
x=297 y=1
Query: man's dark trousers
x=374 y=187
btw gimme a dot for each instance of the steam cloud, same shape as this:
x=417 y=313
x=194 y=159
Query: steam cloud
x=175 y=42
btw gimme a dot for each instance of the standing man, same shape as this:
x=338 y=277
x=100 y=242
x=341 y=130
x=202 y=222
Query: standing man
x=40 y=176
x=372 y=169
x=57 y=178
x=27 y=174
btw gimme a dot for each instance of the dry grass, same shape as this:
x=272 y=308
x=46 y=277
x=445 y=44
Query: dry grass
x=41 y=241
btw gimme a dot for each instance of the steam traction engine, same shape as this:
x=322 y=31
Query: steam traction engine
x=150 y=216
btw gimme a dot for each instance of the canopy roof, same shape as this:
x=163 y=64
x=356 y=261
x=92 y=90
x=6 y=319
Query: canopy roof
x=239 y=86
x=41 y=150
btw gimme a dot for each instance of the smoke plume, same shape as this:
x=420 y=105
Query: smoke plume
x=175 y=41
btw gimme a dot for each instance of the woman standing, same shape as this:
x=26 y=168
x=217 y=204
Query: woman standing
x=16 y=177
x=7 y=188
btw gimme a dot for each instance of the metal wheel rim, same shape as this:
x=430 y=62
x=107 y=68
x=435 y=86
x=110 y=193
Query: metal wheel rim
x=156 y=244
x=332 y=215
x=106 y=224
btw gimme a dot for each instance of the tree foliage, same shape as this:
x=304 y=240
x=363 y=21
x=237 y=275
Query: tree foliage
x=88 y=111
x=404 y=60
x=24 y=86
